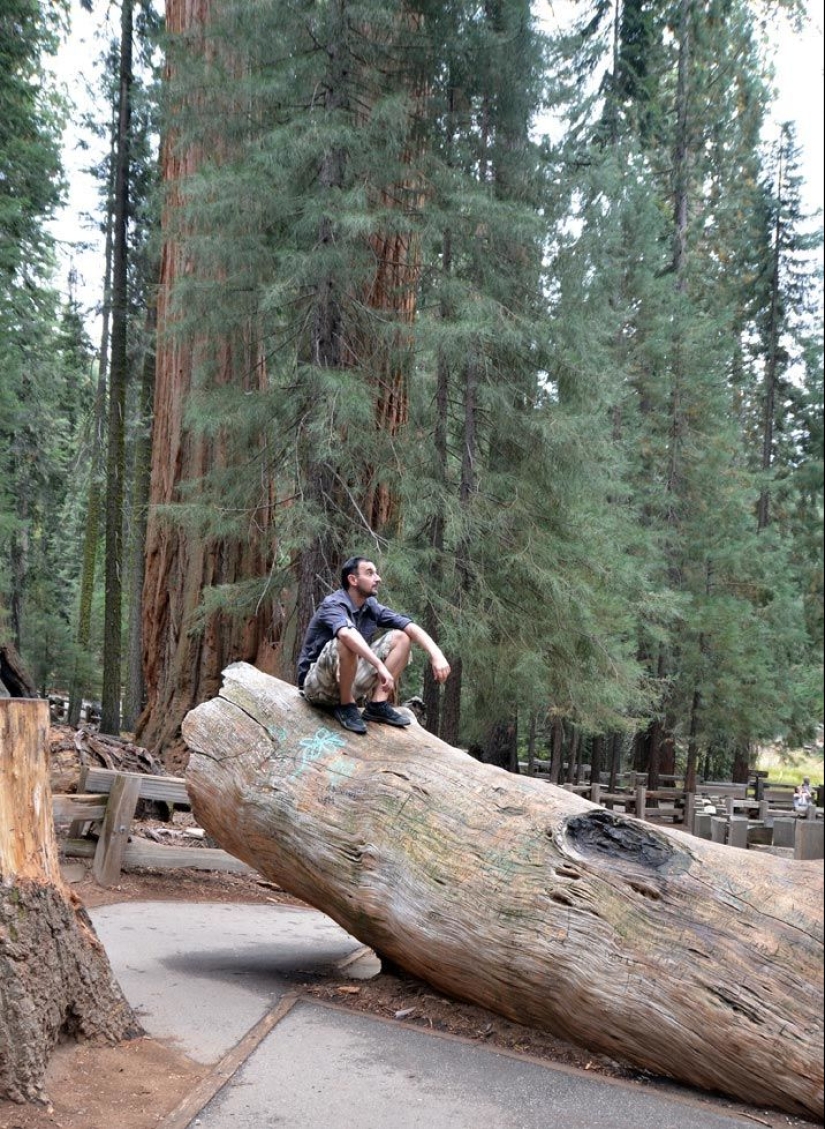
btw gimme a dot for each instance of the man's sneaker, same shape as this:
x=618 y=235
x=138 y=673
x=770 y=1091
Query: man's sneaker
x=383 y=711
x=350 y=717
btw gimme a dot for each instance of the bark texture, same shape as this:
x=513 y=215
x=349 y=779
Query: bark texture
x=679 y=955
x=55 y=978
x=15 y=680
x=182 y=667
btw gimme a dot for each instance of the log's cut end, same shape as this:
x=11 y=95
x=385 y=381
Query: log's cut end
x=680 y=956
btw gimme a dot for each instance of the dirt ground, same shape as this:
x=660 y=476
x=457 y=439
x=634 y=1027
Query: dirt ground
x=137 y=1085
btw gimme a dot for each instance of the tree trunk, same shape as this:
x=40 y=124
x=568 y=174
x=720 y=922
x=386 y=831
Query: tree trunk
x=644 y=944
x=763 y=513
x=181 y=666
x=572 y=755
x=616 y=761
x=14 y=678
x=135 y=688
x=596 y=759
x=118 y=379
x=556 y=749
x=741 y=763
x=80 y=676
x=55 y=979
x=501 y=744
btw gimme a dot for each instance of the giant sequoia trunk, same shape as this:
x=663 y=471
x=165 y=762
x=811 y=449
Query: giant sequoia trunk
x=681 y=956
x=55 y=979
x=182 y=667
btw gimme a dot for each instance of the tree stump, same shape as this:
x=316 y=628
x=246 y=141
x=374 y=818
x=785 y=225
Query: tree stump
x=680 y=956
x=55 y=977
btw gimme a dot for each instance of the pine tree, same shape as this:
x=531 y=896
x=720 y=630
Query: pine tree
x=694 y=106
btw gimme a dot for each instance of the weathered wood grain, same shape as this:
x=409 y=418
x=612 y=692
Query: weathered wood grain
x=682 y=956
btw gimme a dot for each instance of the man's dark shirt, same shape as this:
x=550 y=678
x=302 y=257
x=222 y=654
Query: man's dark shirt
x=338 y=611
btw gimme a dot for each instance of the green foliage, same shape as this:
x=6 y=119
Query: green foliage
x=554 y=362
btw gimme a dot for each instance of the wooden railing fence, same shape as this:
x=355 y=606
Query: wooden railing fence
x=111 y=798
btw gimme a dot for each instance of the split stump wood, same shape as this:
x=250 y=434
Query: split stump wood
x=55 y=977
x=684 y=957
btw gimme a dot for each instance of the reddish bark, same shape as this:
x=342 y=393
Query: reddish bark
x=182 y=668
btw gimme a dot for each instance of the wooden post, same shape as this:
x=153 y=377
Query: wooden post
x=784 y=832
x=120 y=811
x=738 y=832
x=641 y=801
x=718 y=829
x=809 y=840
x=702 y=825
x=54 y=974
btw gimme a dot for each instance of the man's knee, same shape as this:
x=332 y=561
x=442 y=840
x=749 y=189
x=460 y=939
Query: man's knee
x=395 y=650
x=399 y=641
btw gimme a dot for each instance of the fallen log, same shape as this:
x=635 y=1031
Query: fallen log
x=681 y=956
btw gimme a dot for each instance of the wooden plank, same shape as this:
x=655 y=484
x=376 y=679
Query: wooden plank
x=140 y=852
x=172 y=789
x=618 y=798
x=120 y=811
x=185 y=1114
x=721 y=788
x=779 y=797
x=83 y=809
x=79 y=826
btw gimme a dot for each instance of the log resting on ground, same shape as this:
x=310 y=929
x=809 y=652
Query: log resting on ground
x=681 y=956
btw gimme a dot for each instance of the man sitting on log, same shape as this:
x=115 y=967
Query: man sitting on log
x=339 y=666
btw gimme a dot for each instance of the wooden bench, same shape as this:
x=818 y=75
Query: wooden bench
x=779 y=796
x=112 y=797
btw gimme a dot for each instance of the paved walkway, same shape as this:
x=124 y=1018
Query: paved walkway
x=219 y=982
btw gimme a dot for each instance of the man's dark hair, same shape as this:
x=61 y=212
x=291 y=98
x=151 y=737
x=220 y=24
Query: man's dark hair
x=347 y=567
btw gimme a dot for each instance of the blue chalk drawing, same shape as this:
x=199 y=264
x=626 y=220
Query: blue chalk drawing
x=322 y=744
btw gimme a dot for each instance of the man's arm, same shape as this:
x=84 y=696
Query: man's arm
x=354 y=641
x=440 y=666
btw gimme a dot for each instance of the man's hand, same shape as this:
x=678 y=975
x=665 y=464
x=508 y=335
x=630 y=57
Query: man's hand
x=440 y=667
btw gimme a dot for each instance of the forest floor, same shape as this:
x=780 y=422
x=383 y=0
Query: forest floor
x=138 y=1084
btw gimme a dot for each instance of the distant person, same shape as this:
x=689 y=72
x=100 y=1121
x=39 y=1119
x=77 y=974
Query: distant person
x=802 y=797
x=340 y=665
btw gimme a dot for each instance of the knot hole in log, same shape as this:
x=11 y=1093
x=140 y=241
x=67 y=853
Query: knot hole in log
x=612 y=836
